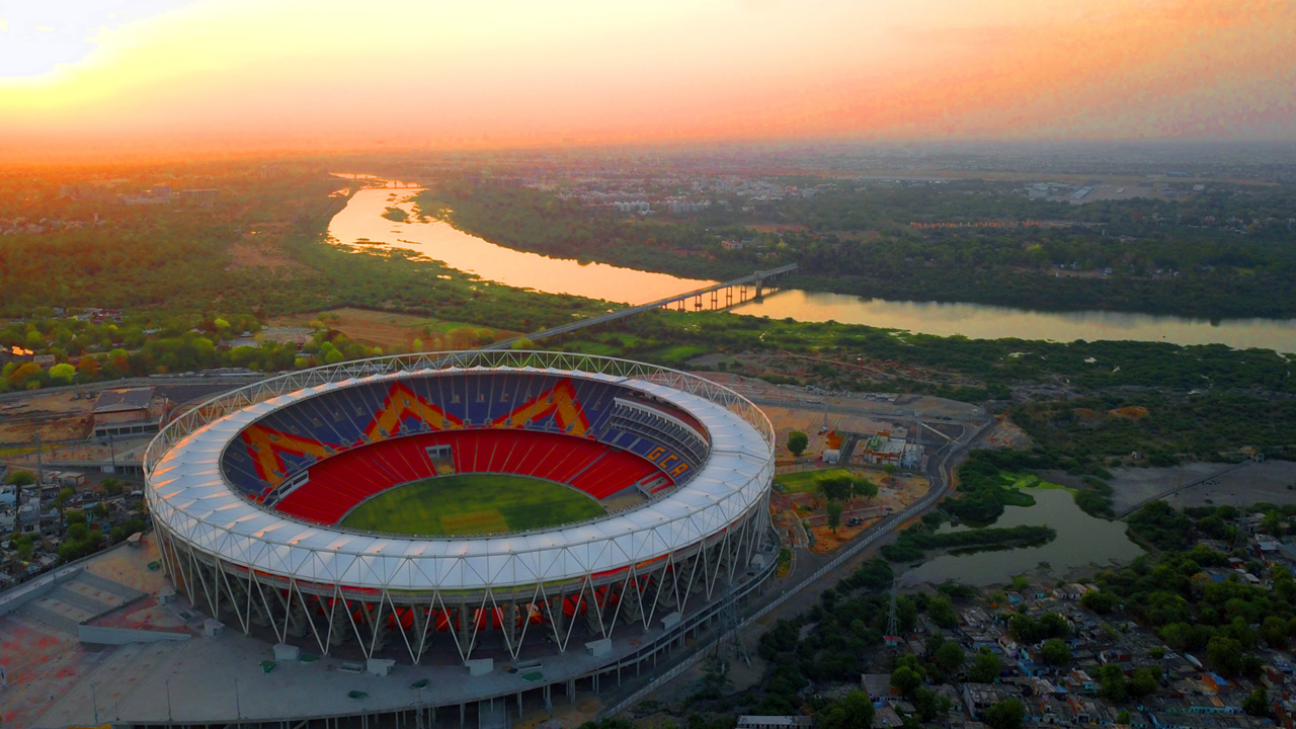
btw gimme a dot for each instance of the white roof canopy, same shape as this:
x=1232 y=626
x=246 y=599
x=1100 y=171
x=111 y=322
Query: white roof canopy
x=189 y=495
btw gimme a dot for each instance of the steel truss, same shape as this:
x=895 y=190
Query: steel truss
x=493 y=619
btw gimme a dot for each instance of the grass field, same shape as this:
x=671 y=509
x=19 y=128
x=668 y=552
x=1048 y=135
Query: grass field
x=472 y=503
x=807 y=481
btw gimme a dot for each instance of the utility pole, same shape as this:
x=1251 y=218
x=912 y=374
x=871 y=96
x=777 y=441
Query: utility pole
x=112 y=453
x=40 y=469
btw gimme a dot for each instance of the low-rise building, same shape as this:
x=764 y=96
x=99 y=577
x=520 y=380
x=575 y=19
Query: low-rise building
x=126 y=412
x=878 y=687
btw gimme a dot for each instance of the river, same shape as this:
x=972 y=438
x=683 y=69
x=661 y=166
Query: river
x=361 y=221
x=1082 y=540
x=978 y=321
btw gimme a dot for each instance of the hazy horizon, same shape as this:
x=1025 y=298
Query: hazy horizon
x=90 y=79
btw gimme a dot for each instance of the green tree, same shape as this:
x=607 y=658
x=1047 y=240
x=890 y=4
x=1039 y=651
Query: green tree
x=834 y=510
x=24 y=545
x=1225 y=655
x=21 y=478
x=926 y=703
x=61 y=501
x=1274 y=631
x=837 y=489
x=1020 y=582
x=890 y=470
x=1145 y=682
x=1098 y=601
x=1053 y=625
x=1007 y=714
x=1056 y=652
x=866 y=488
x=1257 y=702
x=62 y=372
x=1272 y=523
x=853 y=711
x=941 y=611
x=1123 y=717
x=1112 y=684
x=797 y=442
x=906 y=680
x=985 y=667
x=950 y=657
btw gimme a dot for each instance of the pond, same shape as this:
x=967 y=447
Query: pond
x=1082 y=541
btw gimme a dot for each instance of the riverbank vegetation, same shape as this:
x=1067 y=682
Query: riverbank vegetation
x=170 y=286
x=1214 y=254
x=913 y=542
x=259 y=249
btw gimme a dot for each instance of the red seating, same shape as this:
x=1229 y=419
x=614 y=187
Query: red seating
x=615 y=471
x=339 y=483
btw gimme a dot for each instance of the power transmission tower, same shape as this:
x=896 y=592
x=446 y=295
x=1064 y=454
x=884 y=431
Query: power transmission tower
x=731 y=625
x=892 y=636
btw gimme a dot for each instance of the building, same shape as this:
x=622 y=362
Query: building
x=886 y=718
x=878 y=687
x=775 y=722
x=205 y=197
x=287 y=454
x=977 y=697
x=128 y=412
x=882 y=449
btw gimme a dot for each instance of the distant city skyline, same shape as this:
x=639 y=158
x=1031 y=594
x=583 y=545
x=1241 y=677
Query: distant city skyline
x=93 y=78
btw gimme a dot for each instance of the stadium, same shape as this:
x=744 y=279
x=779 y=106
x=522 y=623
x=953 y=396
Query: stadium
x=469 y=508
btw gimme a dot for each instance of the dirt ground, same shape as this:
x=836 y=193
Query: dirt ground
x=253 y=254
x=801 y=398
x=387 y=329
x=1007 y=435
x=826 y=540
x=1270 y=482
x=1221 y=483
x=786 y=420
x=563 y=716
x=56 y=416
x=891 y=497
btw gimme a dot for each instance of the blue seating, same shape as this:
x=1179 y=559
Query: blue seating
x=514 y=415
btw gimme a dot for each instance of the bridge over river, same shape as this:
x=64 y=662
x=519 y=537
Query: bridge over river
x=710 y=298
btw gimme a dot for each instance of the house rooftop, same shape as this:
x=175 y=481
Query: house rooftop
x=114 y=401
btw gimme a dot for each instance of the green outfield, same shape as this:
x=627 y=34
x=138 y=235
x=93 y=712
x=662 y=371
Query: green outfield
x=472 y=503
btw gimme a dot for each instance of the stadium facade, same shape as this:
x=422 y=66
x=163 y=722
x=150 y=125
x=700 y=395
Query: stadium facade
x=250 y=490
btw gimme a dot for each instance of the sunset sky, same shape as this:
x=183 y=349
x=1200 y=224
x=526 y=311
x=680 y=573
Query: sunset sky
x=151 y=75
